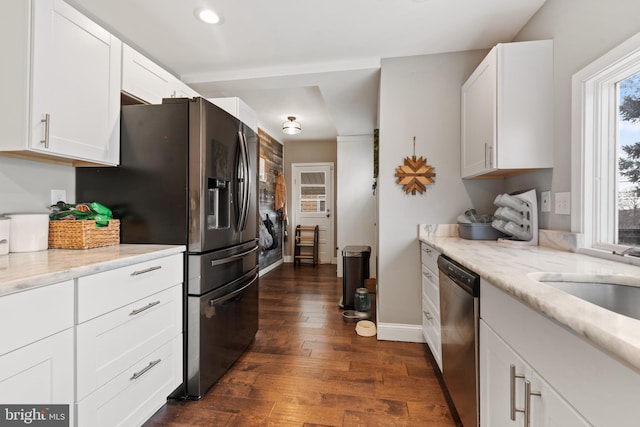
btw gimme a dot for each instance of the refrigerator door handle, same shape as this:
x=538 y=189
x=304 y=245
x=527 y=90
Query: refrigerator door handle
x=216 y=301
x=245 y=180
x=233 y=257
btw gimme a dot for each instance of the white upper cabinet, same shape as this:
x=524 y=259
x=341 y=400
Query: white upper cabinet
x=149 y=82
x=507 y=111
x=239 y=109
x=63 y=78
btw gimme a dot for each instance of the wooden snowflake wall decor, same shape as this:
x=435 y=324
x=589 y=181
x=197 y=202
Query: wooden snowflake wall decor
x=415 y=174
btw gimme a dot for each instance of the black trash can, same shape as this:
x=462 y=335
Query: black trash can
x=355 y=269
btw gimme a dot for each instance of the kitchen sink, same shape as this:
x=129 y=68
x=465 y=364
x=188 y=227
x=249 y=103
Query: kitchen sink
x=620 y=294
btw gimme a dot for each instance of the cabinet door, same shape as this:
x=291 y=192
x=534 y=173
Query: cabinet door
x=496 y=402
x=181 y=90
x=143 y=78
x=76 y=85
x=550 y=409
x=500 y=406
x=479 y=119
x=39 y=373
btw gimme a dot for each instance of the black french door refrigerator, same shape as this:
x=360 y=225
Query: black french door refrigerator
x=187 y=175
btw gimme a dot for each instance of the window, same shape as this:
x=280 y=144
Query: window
x=313 y=192
x=606 y=150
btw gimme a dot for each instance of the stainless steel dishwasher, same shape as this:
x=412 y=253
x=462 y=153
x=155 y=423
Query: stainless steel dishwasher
x=459 y=317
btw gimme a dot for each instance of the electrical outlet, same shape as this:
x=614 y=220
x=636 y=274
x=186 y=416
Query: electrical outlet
x=58 y=195
x=545 y=201
x=563 y=203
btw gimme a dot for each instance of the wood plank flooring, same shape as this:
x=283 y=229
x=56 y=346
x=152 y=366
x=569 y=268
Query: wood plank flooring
x=307 y=367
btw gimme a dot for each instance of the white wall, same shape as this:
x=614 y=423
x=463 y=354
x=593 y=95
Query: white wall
x=420 y=96
x=356 y=204
x=25 y=186
x=582 y=31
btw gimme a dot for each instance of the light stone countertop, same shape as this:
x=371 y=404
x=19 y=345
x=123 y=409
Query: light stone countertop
x=507 y=267
x=27 y=270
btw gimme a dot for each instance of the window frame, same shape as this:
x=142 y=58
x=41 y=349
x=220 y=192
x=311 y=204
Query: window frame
x=594 y=159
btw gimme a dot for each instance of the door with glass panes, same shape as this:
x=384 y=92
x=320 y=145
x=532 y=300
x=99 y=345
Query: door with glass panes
x=312 y=203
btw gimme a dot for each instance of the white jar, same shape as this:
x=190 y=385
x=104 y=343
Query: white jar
x=29 y=232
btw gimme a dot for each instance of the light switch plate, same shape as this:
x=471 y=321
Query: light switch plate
x=545 y=201
x=563 y=203
x=58 y=195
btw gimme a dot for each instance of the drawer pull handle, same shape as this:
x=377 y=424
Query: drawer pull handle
x=146 y=270
x=527 y=403
x=146 y=307
x=427 y=250
x=427 y=315
x=512 y=391
x=146 y=369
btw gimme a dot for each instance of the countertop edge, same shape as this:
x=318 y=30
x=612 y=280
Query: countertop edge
x=612 y=333
x=24 y=271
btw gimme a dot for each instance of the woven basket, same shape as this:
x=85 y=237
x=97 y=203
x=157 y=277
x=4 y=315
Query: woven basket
x=75 y=234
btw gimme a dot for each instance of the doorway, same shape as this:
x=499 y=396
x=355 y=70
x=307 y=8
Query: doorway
x=312 y=197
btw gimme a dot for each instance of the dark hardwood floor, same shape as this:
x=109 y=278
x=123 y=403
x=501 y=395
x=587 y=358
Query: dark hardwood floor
x=307 y=367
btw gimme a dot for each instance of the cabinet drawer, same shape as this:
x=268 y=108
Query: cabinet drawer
x=35 y=314
x=430 y=288
x=110 y=343
x=135 y=394
x=103 y=292
x=429 y=257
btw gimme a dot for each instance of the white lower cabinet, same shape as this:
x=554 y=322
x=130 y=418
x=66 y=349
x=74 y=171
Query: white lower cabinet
x=504 y=380
x=134 y=395
x=37 y=346
x=431 y=301
x=128 y=341
x=572 y=383
x=111 y=343
x=39 y=373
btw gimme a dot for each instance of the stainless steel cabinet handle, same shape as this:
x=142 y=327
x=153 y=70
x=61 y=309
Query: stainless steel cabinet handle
x=46 y=122
x=146 y=307
x=146 y=270
x=527 y=402
x=512 y=391
x=138 y=374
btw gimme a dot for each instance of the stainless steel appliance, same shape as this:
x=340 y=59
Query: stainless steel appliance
x=459 y=317
x=187 y=175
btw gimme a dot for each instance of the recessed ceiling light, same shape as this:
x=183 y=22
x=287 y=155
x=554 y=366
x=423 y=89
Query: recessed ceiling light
x=208 y=16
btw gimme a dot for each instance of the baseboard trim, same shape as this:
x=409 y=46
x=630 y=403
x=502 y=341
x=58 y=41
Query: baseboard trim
x=400 y=332
x=270 y=267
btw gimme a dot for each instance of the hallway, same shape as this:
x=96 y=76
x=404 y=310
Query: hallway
x=307 y=367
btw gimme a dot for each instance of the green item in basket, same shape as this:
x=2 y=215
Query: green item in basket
x=81 y=211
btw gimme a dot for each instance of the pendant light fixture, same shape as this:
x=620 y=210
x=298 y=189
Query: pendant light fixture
x=291 y=127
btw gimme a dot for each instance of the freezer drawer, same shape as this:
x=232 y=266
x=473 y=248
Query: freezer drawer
x=216 y=269
x=222 y=325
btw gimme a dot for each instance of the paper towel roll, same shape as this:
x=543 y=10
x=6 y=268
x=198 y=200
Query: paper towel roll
x=29 y=232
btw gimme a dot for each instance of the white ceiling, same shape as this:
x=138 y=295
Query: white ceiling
x=318 y=60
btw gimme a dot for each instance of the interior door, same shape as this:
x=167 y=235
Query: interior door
x=312 y=194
